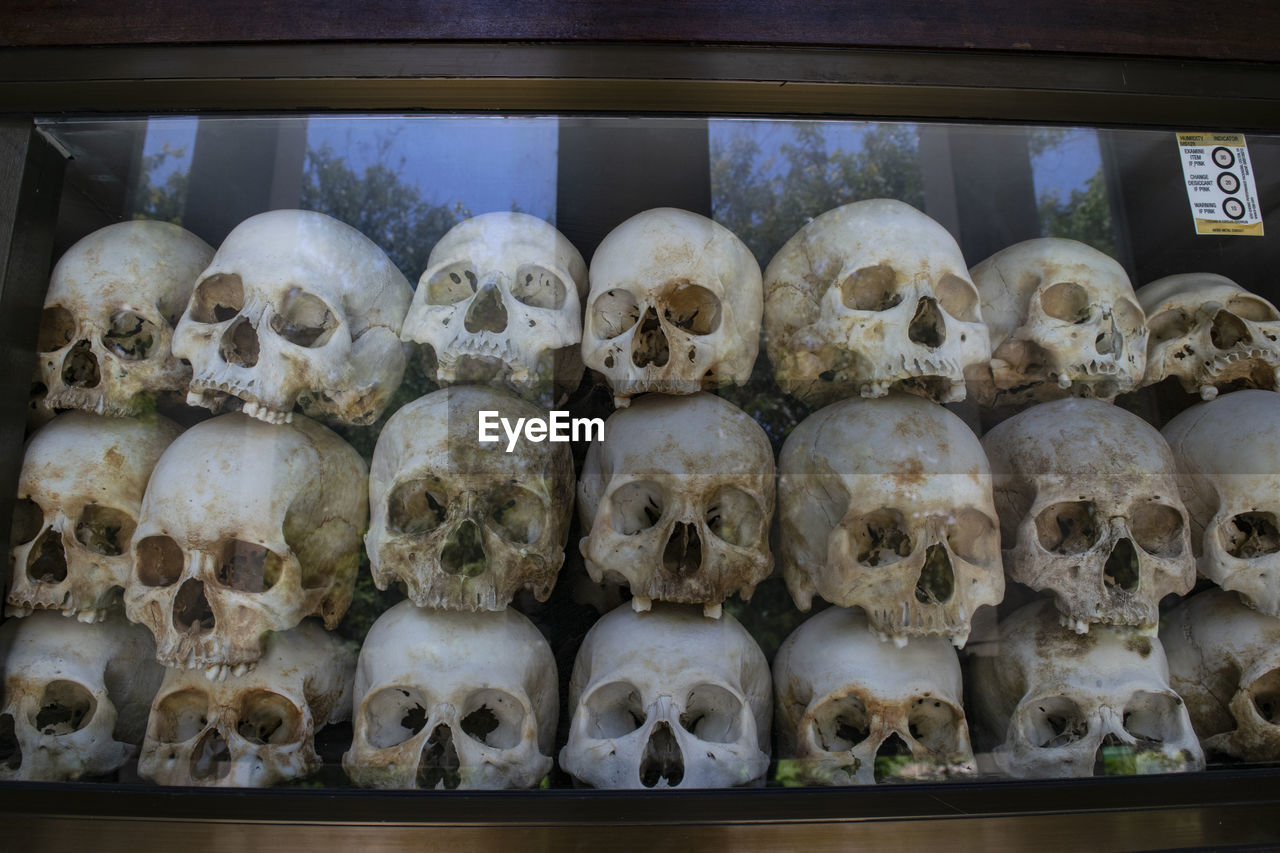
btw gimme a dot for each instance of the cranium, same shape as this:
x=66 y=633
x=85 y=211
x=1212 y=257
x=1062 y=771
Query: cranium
x=668 y=699
x=886 y=504
x=1050 y=702
x=465 y=525
x=1224 y=661
x=109 y=315
x=1228 y=457
x=78 y=500
x=453 y=700
x=296 y=308
x=675 y=306
x=1063 y=320
x=501 y=302
x=75 y=696
x=255 y=729
x=852 y=710
x=1089 y=509
x=1211 y=333
x=678 y=500
x=869 y=297
x=246 y=528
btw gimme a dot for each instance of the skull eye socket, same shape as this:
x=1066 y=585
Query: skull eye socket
x=159 y=561
x=614 y=710
x=538 y=287
x=1053 y=721
x=935 y=724
x=871 y=289
x=973 y=538
x=304 y=320
x=266 y=717
x=131 y=336
x=104 y=530
x=1153 y=718
x=217 y=298
x=1253 y=309
x=517 y=514
x=393 y=715
x=613 y=313
x=1066 y=301
x=65 y=707
x=692 y=309
x=180 y=716
x=248 y=566
x=1168 y=325
x=495 y=718
x=958 y=298
x=1265 y=692
x=842 y=723
x=1157 y=529
x=735 y=516
x=881 y=537
x=1251 y=534
x=637 y=506
x=57 y=329
x=1067 y=528
x=417 y=507
x=28 y=521
x=1129 y=317
x=452 y=284
x=713 y=714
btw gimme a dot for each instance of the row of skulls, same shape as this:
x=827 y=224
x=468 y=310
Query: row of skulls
x=667 y=698
x=298 y=310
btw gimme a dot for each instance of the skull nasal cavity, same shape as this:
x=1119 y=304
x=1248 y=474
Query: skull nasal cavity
x=683 y=555
x=1228 y=330
x=191 y=611
x=487 y=313
x=650 y=343
x=1122 y=567
x=47 y=562
x=211 y=759
x=662 y=758
x=463 y=552
x=937 y=581
x=240 y=344
x=438 y=764
x=928 y=328
x=80 y=369
x=892 y=747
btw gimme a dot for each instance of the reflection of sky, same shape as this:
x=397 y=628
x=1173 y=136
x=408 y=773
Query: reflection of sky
x=1067 y=165
x=771 y=135
x=178 y=134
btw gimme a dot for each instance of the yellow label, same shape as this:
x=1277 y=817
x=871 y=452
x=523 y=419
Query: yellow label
x=1220 y=183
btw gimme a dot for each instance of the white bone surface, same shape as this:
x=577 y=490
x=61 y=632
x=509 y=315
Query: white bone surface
x=886 y=504
x=869 y=297
x=246 y=528
x=668 y=699
x=109 y=316
x=453 y=700
x=296 y=309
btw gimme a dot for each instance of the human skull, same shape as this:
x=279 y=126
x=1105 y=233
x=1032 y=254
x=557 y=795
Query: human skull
x=1049 y=702
x=251 y=730
x=1224 y=661
x=1228 y=457
x=852 y=710
x=677 y=501
x=501 y=303
x=464 y=525
x=675 y=306
x=1089 y=509
x=868 y=297
x=108 y=321
x=1063 y=319
x=886 y=504
x=75 y=696
x=453 y=700
x=1211 y=333
x=79 y=494
x=246 y=528
x=296 y=308
x=668 y=699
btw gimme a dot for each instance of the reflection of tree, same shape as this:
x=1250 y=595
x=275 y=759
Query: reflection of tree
x=1085 y=215
x=164 y=201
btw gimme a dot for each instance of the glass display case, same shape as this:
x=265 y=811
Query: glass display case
x=758 y=447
